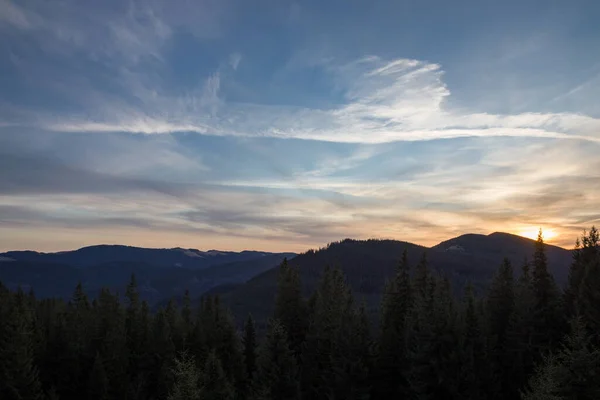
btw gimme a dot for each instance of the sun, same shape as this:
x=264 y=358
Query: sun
x=532 y=233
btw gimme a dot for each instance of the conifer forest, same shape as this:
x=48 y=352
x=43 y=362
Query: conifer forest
x=523 y=337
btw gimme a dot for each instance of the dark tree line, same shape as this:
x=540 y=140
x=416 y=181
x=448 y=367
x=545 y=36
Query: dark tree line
x=523 y=338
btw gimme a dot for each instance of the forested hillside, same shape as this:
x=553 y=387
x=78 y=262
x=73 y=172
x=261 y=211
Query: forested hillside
x=367 y=264
x=521 y=337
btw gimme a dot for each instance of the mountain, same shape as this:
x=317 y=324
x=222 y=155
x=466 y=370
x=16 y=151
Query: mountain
x=247 y=280
x=368 y=263
x=495 y=246
x=102 y=254
x=160 y=273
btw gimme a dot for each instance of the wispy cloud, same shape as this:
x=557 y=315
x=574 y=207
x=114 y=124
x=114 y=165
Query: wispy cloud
x=386 y=101
x=185 y=122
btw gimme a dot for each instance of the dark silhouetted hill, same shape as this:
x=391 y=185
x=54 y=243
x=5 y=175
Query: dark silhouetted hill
x=368 y=263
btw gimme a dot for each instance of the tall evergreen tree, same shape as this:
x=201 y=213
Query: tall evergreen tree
x=290 y=307
x=570 y=373
x=186 y=317
x=97 y=381
x=391 y=354
x=588 y=290
x=422 y=279
x=163 y=349
x=474 y=366
x=548 y=320
x=500 y=310
x=187 y=378
x=19 y=377
x=214 y=382
x=277 y=375
x=249 y=343
x=520 y=334
x=331 y=363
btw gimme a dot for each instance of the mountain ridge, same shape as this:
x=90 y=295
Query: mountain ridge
x=250 y=276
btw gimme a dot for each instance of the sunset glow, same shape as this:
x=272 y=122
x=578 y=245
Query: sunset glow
x=532 y=233
x=209 y=124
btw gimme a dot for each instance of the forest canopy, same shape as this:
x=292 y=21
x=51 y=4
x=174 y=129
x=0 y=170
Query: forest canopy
x=521 y=338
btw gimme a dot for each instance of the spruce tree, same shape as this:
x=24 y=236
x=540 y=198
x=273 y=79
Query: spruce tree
x=215 y=331
x=186 y=317
x=249 y=344
x=97 y=387
x=576 y=273
x=421 y=281
x=391 y=353
x=164 y=355
x=277 y=375
x=331 y=362
x=214 y=382
x=290 y=307
x=570 y=373
x=588 y=294
x=187 y=378
x=19 y=377
x=548 y=321
x=520 y=333
x=474 y=366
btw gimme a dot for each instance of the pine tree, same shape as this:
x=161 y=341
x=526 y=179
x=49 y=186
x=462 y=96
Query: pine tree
x=290 y=307
x=474 y=368
x=500 y=310
x=422 y=278
x=164 y=355
x=249 y=343
x=277 y=370
x=19 y=377
x=78 y=356
x=576 y=273
x=588 y=296
x=175 y=324
x=97 y=388
x=520 y=334
x=570 y=373
x=186 y=317
x=135 y=339
x=330 y=363
x=187 y=377
x=548 y=321
x=214 y=382
x=391 y=354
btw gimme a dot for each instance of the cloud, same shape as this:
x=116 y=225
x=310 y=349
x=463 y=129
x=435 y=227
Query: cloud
x=385 y=101
x=12 y=15
x=136 y=120
x=234 y=60
x=115 y=32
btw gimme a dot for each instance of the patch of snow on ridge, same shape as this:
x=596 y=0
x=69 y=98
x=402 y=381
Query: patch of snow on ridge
x=215 y=253
x=191 y=253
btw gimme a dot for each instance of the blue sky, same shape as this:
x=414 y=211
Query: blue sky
x=284 y=125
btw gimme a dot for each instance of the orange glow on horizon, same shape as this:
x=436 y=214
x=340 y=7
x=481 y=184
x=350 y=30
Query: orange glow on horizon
x=532 y=233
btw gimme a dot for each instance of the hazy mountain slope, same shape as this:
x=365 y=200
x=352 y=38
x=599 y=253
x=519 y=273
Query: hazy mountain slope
x=101 y=254
x=47 y=280
x=155 y=282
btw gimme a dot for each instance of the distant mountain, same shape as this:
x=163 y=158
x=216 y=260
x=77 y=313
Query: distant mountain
x=247 y=280
x=495 y=246
x=160 y=273
x=102 y=254
x=368 y=263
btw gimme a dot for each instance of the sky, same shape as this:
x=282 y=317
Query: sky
x=285 y=125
